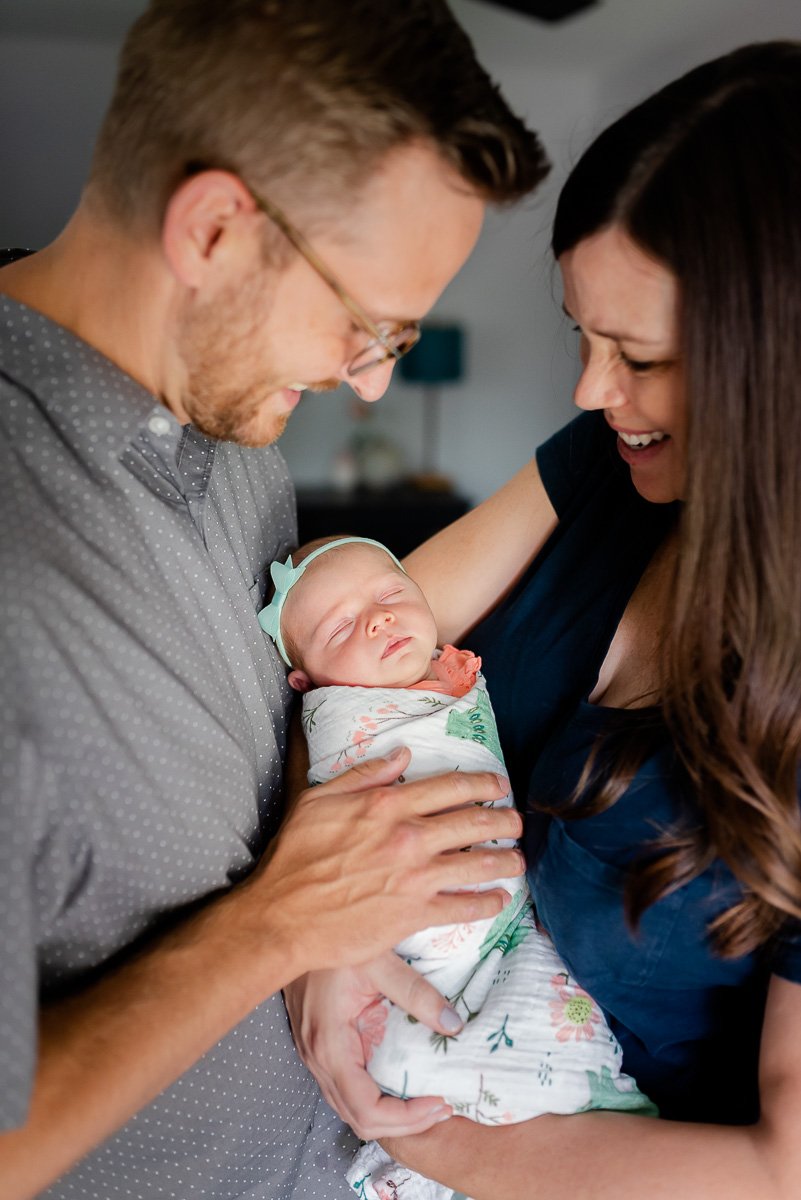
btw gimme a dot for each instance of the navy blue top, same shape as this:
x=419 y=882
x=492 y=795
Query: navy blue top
x=688 y=1021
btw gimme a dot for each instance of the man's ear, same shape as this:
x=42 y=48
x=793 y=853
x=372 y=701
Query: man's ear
x=300 y=681
x=203 y=218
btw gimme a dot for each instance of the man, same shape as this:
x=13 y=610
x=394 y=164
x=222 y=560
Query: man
x=280 y=191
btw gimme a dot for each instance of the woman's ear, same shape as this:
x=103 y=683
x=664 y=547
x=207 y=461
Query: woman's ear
x=300 y=681
x=200 y=217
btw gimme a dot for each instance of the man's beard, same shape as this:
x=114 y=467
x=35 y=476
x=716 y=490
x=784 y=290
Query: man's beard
x=219 y=344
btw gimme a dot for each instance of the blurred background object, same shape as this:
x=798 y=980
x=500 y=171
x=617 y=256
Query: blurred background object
x=545 y=10
x=568 y=77
x=437 y=358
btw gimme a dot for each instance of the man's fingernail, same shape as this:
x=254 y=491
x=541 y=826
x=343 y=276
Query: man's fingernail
x=450 y=1020
x=396 y=753
x=503 y=782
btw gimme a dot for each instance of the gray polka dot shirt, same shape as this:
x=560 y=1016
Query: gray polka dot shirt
x=142 y=729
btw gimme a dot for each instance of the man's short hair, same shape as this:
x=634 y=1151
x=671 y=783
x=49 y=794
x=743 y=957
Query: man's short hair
x=302 y=98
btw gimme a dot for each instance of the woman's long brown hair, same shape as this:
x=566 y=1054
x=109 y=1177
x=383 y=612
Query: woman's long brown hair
x=705 y=176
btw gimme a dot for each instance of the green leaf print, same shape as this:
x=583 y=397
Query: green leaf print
x=477 y=725
x=308 y=718
x=604 y=1093
x=500 y=1037
x=506 y=933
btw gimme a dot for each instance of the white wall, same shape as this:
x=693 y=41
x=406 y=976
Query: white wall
x=518 y=377
x=569 y=80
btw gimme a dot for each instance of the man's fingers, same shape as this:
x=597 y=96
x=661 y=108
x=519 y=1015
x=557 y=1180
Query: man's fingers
x=465 y=907
x=372 y=772
x=479 y=866
x=405 y=987
x=436 y=793
x=471 y=826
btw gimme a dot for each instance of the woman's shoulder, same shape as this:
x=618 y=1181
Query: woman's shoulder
x=577 y=457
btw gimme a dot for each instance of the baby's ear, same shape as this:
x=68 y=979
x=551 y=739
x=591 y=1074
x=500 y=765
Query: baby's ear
x=300 y=681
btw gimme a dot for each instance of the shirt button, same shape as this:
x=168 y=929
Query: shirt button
x=159 y=426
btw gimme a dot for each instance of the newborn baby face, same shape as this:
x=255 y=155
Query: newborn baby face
x=357 y=619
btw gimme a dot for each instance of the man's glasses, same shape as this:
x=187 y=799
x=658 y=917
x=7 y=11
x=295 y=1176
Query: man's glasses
x=386 y=339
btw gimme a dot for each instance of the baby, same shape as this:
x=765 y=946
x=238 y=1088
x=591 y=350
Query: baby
x=361 y=643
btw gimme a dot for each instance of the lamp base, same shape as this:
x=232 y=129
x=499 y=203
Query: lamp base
x=431 y=481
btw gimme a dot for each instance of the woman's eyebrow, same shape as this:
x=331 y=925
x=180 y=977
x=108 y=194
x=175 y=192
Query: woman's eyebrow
x=617 y=337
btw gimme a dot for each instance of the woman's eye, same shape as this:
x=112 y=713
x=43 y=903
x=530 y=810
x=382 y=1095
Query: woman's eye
x=638 y=366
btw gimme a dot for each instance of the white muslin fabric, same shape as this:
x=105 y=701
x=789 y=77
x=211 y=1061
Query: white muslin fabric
x=533 y=1041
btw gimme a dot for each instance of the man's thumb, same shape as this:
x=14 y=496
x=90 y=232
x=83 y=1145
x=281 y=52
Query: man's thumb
x=372 y=772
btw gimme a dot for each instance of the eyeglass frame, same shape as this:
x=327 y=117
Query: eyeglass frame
x=299 y=242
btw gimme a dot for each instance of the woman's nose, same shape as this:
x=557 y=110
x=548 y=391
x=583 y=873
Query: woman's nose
x=598 y=387
x=379 y=620
x=372 y=384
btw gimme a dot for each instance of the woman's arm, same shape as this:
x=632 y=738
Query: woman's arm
x=465 y=569
x=616 y=1156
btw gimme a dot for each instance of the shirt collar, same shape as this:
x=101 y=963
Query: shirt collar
x=96 y=408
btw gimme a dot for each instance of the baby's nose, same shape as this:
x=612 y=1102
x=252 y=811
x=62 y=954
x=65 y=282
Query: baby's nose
x=379 y=620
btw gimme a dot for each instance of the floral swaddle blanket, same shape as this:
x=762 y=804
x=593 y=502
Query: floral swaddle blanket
x=533 y=1041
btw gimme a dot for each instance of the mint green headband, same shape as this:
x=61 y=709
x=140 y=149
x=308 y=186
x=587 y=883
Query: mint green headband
x=285 y=576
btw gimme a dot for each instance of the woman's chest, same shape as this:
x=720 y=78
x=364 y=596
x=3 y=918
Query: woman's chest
x=629 y=673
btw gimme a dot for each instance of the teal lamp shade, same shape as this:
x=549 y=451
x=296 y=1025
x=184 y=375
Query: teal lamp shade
x=437 y=358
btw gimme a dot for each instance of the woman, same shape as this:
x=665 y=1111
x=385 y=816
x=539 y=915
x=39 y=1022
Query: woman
x=646 y=667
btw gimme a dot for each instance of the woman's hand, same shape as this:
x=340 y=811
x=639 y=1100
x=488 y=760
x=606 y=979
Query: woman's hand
x=620 y=1156
x=324 y=1009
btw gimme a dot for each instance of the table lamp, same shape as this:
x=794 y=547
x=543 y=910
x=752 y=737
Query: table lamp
x=436 y=359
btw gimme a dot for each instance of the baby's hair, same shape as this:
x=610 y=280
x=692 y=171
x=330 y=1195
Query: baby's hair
x=298 y=556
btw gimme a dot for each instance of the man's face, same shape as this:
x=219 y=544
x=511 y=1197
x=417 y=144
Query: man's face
x=249 y=350
x=357 y=619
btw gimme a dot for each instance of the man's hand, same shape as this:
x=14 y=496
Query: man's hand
x=359 y=863
x=324 y=1009
x=363 y=861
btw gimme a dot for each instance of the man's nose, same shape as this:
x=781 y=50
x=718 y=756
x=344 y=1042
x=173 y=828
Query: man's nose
x=372 y=384
x=379 y=620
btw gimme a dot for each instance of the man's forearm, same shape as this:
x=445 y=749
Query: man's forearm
x=108 y=1051
x=342 y=881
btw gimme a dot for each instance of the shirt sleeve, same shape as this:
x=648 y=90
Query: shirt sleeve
x=18 y=977
x=576 y=457
x=786 y=956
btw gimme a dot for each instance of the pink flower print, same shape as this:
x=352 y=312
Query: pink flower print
x=388 y=708
x=368 y=722
x=574 y=1014
x=361 y=741
x=390 y=1188
x=372 y=1025
x=452 y=938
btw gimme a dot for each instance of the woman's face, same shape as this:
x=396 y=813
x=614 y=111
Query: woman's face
x=625 y=306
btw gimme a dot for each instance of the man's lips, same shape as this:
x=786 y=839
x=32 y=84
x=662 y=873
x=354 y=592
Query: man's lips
x=395 y=644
